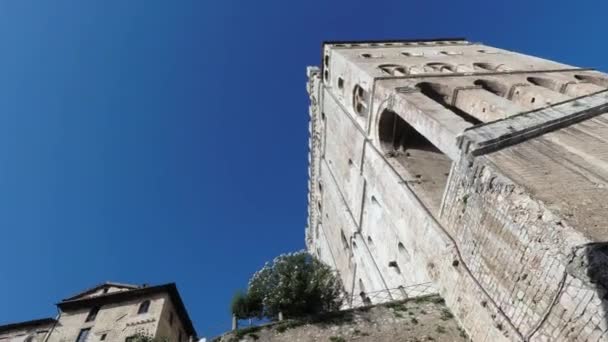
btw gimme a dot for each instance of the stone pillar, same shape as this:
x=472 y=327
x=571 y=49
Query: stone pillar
x=533 y=97
x=484 y=105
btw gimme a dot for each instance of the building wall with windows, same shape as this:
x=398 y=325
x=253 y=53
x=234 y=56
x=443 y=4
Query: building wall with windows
x=110 y=312
x=114 y=322
x=481 y=170
x=31 y=331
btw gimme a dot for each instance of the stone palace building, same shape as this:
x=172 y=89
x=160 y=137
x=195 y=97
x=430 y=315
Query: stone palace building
x=110 y=312
x=479 y=170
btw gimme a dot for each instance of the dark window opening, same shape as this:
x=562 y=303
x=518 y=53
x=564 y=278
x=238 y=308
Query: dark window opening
x=597 y=80
x=83 y=335
x=441 y=95
x=359 y=100
x=103 y=337
x=171 y=315
x=92 y=314
x=340 y=83
x=424 y=167
x=545 y=83
x=143 y=307
x=490 y=67
x=106 y=290
x=493 y=87
x=439 y=67
x=393 y=69
x=395 y=266
x=403 y=253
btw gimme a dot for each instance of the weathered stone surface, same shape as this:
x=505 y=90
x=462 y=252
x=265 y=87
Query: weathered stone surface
x=423 y=319
x=481 y=170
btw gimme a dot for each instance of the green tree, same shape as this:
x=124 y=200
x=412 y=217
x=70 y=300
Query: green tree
x=295 y=284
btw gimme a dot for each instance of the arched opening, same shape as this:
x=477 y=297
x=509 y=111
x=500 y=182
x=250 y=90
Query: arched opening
x=422 y=165
x=393 y=69
x=490 y=67
x=545 y=83
x=394 y=266
x=360 y=100
x=403 y=253
x=597 y=80
x=143 y=307
x=494 y=87
x=439 y=67
x=92 y=314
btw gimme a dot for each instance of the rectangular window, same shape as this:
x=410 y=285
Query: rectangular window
x=170 y=319
x=83 y=335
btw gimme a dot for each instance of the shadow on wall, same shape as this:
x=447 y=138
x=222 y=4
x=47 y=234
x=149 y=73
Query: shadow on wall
x=590 y=265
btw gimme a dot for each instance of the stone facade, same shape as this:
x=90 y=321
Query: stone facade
x=112 y=312
x=481 y=170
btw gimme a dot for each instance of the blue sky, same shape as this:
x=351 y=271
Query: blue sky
x=166 y=141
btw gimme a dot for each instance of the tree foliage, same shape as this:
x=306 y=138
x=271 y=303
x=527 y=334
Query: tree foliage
x=296 y=284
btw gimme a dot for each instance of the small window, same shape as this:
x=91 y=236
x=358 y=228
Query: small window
x=412 y=54
x=393 y=69
x=370 y=55
x=92 y=314
x=440 y=67
x=103 y=337
x=171 y=319
x=106 y=290
x=143 y=307
x=451 y=53
x=83 y=335
x=340 y=83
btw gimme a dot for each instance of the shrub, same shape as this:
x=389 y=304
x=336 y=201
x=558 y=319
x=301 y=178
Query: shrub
x=296 y=284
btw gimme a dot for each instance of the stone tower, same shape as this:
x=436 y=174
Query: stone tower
x=480 y=170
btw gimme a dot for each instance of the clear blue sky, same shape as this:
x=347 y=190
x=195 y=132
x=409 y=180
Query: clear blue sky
x=166 y=141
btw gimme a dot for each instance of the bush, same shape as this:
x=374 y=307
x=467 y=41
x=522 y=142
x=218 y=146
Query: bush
x=296 y=284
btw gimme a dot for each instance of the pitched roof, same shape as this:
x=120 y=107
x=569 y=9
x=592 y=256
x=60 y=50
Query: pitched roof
x=100 y=286
x=135 y=292
x=25 y=324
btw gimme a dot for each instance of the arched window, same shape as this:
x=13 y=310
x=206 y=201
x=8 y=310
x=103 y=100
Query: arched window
x=545 y=83
x=143 y=307
x=493 y=87
x=359 y=100
x=393 y=69
x=490 y=67
x=438 y=67
x=92 y=314
x=597 y=80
